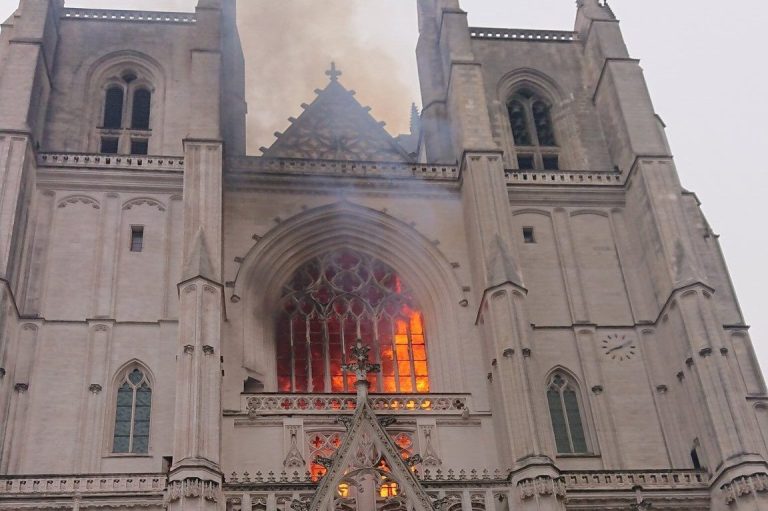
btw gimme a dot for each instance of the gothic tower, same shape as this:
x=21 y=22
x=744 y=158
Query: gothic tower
x=516 y=306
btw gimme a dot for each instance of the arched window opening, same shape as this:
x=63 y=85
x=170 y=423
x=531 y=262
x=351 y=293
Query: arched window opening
x=335 y=299
x=563 y=399
x=533 y=131
x=113 y=108
x=132 y=413
x=142 y=100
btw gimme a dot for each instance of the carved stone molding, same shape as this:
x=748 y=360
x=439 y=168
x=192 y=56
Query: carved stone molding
x=21 y=387
x=208 y=350
x=95 y=388
x=542 y=486
x=744 y=486
x=193 y=488
x=189 y=349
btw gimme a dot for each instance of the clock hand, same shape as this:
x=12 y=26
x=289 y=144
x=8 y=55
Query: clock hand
x=618 y=347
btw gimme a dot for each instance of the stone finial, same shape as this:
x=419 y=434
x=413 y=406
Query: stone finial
x=361 y=367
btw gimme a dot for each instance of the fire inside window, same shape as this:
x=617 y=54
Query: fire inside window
x=335 y=299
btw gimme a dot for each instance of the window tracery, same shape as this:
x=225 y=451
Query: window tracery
x=132 y=413
x=565 y=413
x=533 y=132
x=335 y=299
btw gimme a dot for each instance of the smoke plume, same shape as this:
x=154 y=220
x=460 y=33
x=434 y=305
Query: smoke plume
x=288 y=46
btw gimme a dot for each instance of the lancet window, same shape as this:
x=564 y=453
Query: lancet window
x=565 y=412
x=335 y=299
x=132 y=413
x=530 y=118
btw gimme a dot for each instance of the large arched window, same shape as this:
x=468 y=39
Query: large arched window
x=564 y=410
x=335 y=299
x=132 y=413
x=530 y=118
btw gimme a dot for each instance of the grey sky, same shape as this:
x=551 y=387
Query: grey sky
x=706 y=69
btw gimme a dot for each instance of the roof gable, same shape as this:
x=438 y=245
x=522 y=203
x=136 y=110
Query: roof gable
x=336 y=127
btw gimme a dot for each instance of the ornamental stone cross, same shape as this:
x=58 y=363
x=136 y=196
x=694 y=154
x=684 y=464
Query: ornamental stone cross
x=361 y=367
x=333 y=73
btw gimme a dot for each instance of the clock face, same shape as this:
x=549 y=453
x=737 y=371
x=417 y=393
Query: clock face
x=619 y=347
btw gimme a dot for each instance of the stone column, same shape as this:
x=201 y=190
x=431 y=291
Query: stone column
x=104 y=293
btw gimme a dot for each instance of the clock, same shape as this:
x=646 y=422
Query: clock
x=619 y=347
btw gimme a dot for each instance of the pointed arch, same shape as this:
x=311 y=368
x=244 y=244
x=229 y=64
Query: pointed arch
x=271 y=262
x=131 y=409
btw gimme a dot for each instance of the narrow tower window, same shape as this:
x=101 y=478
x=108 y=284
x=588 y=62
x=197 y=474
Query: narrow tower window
x=562 y=396
x=134 y=402
x=137 y=238
x=528 y=235
x=142 y=100
x=113 y=108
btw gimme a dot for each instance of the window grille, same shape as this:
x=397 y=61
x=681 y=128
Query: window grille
x=328 y=304
x=567 y=425
x=137 y=239
x=132 y=413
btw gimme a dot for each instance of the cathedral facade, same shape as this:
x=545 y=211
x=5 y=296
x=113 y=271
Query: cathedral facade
x=514 y=307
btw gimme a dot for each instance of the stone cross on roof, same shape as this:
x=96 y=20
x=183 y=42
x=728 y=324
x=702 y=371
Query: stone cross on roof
x=361 y=367
x=333 y=73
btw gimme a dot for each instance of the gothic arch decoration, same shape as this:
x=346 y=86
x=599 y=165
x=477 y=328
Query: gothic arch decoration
x=275 y=258
x=129 y=420
x=567 y=412
x=144 y=201
x=141 y=81
x=331 y=301
x=78 y=199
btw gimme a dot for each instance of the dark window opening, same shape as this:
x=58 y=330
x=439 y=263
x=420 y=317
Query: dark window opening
x=142 y=100
x=528 y=235
x=113 y=108
x=551 y=162
x=543 y=121
x=518 y=119
x=525 y=162
x=137 y=238
x=167 y=464
x=109 y=145
x=695 y=459
x=566 y=416
x=139 y=146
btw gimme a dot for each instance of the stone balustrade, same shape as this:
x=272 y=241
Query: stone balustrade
x=631 y=479
x=260 y=165
x=111 y=161
x=129 y=16
x=563 y=178
x=558 y=36
x=83 y=485
x=443 y=404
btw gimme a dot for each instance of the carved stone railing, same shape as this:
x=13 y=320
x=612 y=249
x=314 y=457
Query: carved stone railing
x=111 y=161
x=563 y=178
x=266 y=404
x=148 y=484
x=558 y=36
x=120 y=15
x=630 y=479
x=260 y=165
